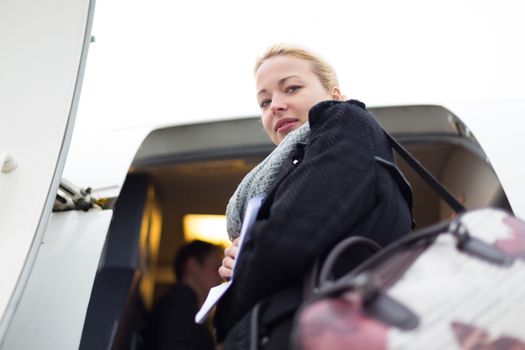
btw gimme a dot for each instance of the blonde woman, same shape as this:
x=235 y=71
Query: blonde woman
x=332 y=175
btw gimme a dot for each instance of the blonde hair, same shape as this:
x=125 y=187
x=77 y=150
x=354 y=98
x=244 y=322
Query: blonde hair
x=320 y=67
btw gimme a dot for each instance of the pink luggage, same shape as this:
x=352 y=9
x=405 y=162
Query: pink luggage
x=456 y=285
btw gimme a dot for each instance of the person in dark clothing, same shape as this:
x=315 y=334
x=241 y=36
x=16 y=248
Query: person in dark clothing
x=332 y=175
x=172 y=324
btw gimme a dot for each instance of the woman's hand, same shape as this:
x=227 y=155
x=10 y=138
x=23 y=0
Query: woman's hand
x=230 y=253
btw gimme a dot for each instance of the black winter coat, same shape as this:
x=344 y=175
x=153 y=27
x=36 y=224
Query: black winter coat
x=342 y=183
x=171 y=323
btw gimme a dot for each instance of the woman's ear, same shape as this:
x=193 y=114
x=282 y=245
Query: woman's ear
x=336 y=94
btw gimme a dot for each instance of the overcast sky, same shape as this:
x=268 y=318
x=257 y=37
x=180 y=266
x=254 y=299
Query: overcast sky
x=159 y=63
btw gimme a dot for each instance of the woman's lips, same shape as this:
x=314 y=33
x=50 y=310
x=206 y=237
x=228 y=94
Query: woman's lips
x=287 y=125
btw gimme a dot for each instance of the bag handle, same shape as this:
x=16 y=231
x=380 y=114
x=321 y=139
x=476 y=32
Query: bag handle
x=326 y=269
x=426 y=175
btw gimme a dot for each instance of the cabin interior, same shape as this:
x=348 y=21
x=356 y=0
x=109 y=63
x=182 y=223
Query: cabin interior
x=195 y=169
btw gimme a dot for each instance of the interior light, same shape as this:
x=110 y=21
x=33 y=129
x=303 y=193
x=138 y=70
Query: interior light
x=209 y=228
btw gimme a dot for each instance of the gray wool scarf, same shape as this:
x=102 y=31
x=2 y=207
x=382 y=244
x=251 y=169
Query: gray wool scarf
x=261 y=178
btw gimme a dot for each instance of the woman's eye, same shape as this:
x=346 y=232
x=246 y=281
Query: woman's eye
x=264 y=103
x=292 y=89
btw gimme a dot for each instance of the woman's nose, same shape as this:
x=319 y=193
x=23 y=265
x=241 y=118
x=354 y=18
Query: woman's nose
x=277 y=105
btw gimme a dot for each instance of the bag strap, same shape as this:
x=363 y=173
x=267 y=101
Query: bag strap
x=426 y=175
x=254 y=327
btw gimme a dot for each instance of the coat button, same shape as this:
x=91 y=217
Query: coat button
x=264 y=340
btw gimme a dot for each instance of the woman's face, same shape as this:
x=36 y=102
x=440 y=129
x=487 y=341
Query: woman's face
x=286 y=90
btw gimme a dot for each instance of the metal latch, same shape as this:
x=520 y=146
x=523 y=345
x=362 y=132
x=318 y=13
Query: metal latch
x=70 y=197
x=7 y=162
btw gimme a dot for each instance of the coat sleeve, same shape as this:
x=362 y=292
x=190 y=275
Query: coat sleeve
x=313 y=207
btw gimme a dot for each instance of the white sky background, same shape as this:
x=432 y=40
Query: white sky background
x=160 y=63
